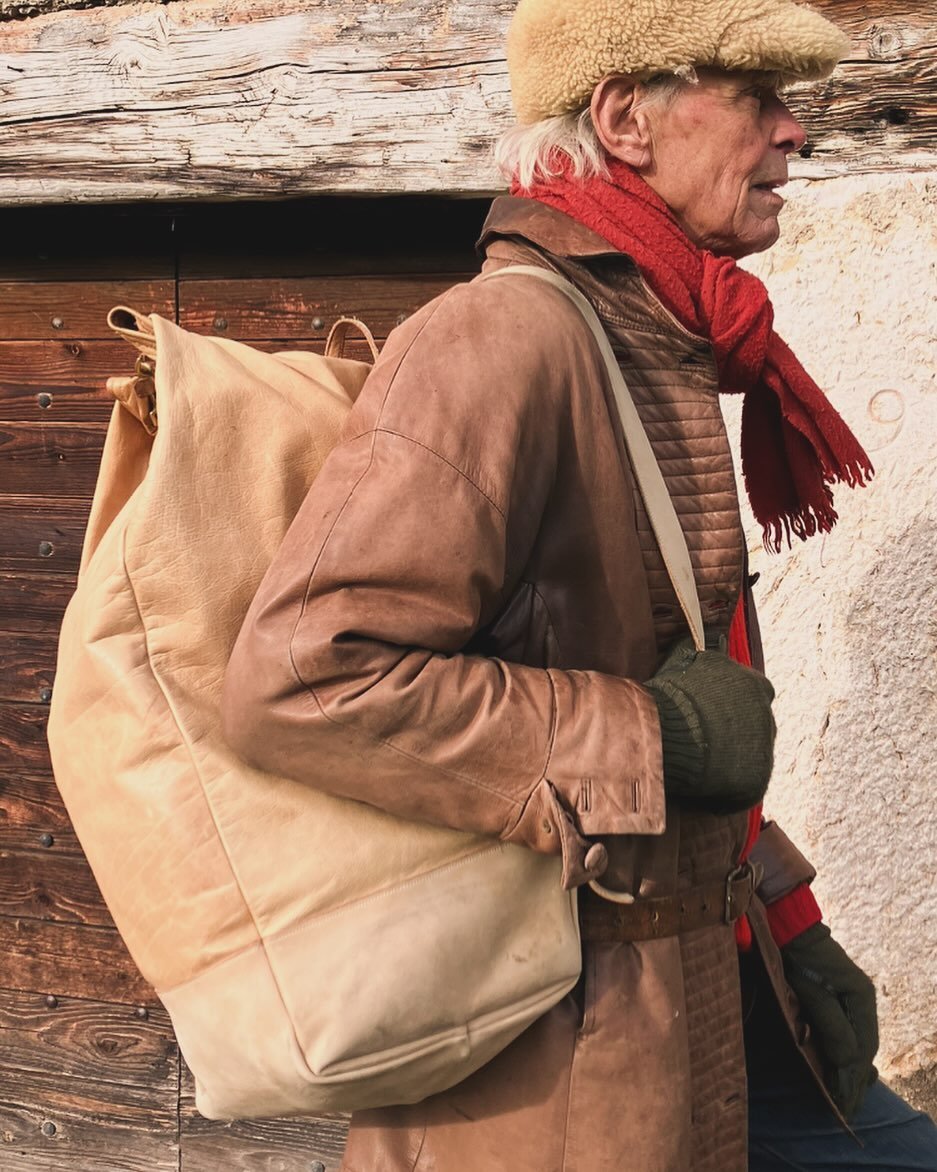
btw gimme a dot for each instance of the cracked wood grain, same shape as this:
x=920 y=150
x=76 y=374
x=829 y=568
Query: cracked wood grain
x=199 y=100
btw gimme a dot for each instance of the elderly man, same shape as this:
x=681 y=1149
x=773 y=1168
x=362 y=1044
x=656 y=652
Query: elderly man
x=473 y=588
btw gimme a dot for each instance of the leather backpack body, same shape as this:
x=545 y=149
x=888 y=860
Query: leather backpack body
x=297 y=978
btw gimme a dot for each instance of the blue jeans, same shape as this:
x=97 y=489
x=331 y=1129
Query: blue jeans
x=791 y=1129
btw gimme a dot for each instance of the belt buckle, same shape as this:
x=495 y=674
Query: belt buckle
x=744 y=871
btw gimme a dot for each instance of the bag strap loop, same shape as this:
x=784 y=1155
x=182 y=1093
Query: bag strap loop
x=134 y=327
x=335 y=346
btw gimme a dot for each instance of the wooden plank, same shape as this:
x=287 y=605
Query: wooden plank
x=50 y=885
x=32 y=813
x=42 y=534
x=57 y=310
x=49 y=459
x=33 y=601
x=213 y=100
x=27 y=665
x=289 y=308
x=66 y=1038
x=48 y=1124
x=23 y=738
x=257 y=1145
x=60 y=382
x=70 y=960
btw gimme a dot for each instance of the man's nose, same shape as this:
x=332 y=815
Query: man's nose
x=788 y=134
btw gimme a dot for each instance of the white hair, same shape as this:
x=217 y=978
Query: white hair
x=526 y=154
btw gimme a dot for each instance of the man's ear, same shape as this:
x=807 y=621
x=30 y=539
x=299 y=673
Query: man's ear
x=622 y=130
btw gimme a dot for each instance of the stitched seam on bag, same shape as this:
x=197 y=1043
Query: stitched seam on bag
x=315 y=918
x=260 y=941
x=375 y=896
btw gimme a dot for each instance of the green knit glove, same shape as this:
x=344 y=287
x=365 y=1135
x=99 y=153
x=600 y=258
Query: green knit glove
x=838 y=1002
x=716 y=727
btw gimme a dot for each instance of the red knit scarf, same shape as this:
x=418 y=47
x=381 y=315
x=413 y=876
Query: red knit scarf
x=794 y=443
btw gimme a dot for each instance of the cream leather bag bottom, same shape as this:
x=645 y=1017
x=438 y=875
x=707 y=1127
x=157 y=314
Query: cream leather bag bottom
x=297 y=980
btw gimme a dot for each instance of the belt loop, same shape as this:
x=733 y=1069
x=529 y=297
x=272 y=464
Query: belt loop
x=743 y=873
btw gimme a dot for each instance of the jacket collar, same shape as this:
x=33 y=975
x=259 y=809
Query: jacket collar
x=547 y=228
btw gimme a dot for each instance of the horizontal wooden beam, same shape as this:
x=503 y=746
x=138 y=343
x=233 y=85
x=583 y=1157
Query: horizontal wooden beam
x=205 y=99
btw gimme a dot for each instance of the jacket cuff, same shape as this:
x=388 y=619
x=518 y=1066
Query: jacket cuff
x=784 y=867
x=792 y=914
x=546 y=826
x=606 y=761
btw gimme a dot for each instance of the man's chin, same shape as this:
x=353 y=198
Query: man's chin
x=767 y=234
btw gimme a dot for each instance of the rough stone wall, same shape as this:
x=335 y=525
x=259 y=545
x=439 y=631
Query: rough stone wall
x=850 y=620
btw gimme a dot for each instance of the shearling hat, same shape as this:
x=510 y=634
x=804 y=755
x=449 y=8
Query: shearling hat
x=559 y=50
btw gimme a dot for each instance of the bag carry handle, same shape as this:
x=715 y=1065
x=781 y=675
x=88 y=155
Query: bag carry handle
x=335 y=346
x=134 y=327
x=138 y=392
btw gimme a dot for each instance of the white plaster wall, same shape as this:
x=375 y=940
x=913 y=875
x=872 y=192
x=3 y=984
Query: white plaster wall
x=850 y=620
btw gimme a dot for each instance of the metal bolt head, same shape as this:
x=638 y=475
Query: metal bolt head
x=45 y=695
x=221 y=323
x=317 y=1166
x=142 y=1013
x=46 y=839
x=46 y=549
x=48 y=1128
x=58 y=323
x=44 y=399
x=52 y=1002
x=401 y=318
x=318 y=323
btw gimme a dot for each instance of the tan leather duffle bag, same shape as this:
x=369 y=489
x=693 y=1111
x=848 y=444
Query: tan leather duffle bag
x=301 y=973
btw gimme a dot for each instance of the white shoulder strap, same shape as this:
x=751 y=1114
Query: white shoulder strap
x=657 y=502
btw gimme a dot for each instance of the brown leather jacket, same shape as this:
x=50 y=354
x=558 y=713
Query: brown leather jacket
x=455 y=630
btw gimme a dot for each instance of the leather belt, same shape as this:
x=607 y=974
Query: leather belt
x=722 y=901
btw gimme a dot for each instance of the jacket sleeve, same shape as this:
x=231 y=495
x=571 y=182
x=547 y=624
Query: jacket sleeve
x=784 y=887
x=350 y=672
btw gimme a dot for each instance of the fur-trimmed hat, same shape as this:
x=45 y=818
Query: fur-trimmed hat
x=559 y=50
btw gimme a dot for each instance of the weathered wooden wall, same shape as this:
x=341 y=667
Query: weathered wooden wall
x=216 y=99
x=91 y=1079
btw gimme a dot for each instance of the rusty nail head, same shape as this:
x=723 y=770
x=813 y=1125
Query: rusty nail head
x=48 y=1128
x=52 y=1001
x=58 y=323
x=318 y=323
x=44 y=399
x=46 y=549
x=221 y=323
x=143 y=1013
x=46 y=839
x=45 y=695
